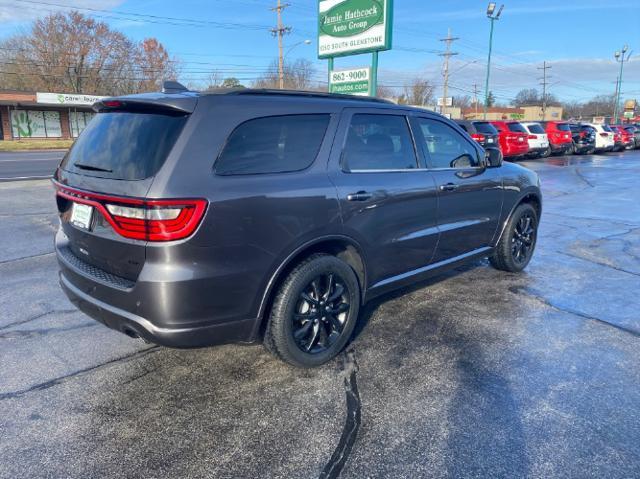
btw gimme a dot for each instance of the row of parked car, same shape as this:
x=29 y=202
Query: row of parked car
x=544 y=138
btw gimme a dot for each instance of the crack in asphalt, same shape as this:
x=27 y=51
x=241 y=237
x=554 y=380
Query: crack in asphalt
x=38 y=316
x=583 y=178
x=26 y=257
x=340 y=455
x=599 y=263
x=80 y=372
x=539 y=297
x=21 y=334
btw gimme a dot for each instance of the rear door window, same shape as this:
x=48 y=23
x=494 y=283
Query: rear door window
x=485 y=127
x=275 y=144
x=378 y=142
x=123 y=145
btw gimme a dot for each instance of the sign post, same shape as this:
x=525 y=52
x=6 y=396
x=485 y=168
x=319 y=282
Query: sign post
x=352 y=27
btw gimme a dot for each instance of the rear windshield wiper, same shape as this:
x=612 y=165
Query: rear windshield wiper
x=92 y=168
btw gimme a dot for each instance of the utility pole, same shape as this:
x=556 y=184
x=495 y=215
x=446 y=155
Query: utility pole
x=475 y=98
x=280 y=31
x=492 y=18
x=447 y=54
x=620 y=58
x=544 y=69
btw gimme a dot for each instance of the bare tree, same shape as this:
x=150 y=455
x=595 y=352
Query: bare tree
x=73 y=53
x=462 y=101
x=418 y=92
x=297 y=76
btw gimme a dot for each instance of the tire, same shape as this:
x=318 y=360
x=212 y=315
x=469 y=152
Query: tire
x=301 y=330
x=503 y=257
x=546 y=153
x=571 y=150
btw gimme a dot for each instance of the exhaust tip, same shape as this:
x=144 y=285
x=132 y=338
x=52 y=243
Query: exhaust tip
x=131 y=333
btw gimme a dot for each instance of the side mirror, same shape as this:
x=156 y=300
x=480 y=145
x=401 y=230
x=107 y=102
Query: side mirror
x=493 y=157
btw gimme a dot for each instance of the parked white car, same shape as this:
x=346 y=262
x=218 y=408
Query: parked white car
x=605 y=139
x=538 y=139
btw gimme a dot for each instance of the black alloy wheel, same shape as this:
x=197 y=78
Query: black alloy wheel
x=314 y=311
x=321 y=313
x=517 y=244
x=523 y=238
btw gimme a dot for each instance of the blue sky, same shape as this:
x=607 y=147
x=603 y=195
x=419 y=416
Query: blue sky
x=577 y=37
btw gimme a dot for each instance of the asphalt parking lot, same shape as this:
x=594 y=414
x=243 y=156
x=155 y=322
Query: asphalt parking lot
x=478 y=373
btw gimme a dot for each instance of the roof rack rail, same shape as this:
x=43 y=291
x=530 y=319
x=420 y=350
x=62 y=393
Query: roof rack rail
x=311 y=94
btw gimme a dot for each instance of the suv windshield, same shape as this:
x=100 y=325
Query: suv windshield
x=607 y=128
x=485 y=127
x=535 y=128
x=563 y=127
x=517 y=127
x=123 y=145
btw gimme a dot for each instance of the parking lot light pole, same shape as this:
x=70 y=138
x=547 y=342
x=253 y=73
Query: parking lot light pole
x=620 y=58
x=491 y=8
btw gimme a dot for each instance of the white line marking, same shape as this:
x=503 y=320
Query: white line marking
x=25 y=178
x=26 y=160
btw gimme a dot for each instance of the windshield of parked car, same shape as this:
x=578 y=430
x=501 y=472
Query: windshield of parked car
x=607 y=128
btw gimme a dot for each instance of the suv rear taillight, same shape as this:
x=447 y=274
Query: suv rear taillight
x=533 y=137
x=150 y=220
x=478 y=137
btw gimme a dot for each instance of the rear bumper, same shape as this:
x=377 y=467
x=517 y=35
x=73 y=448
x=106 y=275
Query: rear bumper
x=167 y=311
x=560 y=147
x=136 y=326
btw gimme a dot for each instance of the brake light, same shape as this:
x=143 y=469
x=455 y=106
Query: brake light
x=112 y=103
x=150 y=220
x=478 y=137
x=604 y=135
x=533 y=137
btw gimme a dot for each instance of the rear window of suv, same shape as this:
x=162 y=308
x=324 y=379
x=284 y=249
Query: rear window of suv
x=276 y=144
x=563 y=127
x=485 y=127
x=517 y=127
x=123 y=145
x=535 y=128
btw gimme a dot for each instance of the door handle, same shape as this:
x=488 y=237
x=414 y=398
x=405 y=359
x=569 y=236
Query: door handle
x=449 y=187
x=359 y=196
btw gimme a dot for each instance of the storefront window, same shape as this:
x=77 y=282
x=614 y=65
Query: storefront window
x=35 y=124
x=78 y=120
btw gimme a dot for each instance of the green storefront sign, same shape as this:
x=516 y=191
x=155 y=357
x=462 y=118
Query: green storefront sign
x=351 y=82
x=348 y=27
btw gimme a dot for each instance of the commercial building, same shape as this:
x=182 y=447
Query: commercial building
x=525 y=113
x=39 y=115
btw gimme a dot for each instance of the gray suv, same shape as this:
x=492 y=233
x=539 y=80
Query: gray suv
x=194 y=219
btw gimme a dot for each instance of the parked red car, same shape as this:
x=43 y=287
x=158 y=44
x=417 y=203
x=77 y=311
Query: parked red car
x=559 y=133
x=514 y=139
x=626 y=139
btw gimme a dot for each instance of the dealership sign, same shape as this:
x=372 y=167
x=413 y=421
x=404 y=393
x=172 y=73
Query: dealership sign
x=348 y=27
x=351 y=82
x=70 y=99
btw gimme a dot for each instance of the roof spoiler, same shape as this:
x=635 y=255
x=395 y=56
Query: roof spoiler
x=170 y=86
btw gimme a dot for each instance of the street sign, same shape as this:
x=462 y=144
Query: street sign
x=449 y=102
x=348 y=27
x=351 y=82
x=629 y=114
